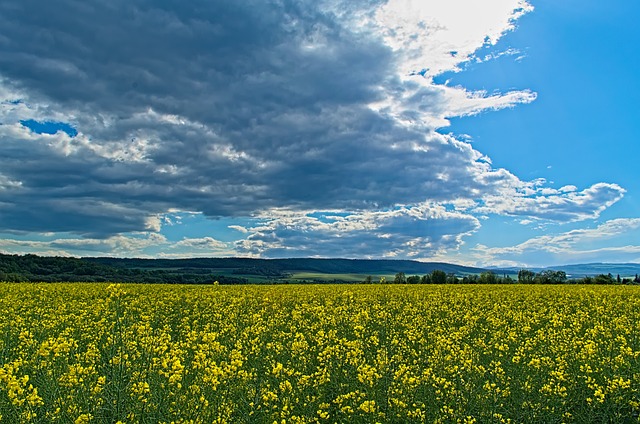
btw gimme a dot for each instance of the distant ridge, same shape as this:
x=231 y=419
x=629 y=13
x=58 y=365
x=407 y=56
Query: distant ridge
x=328 y=266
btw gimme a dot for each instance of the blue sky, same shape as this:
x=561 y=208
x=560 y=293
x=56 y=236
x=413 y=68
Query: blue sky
x=480 y=133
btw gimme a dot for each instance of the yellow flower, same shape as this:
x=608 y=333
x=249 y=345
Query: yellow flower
x=83 y=419
x=368 y=406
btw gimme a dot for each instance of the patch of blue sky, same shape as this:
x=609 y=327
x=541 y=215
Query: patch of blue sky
x=501 y=231
x=180 y=225
x=49 y=127
x=583 y=127
x=586 y=111
x=328 y=217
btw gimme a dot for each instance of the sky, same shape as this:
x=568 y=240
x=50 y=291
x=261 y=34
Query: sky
x=494 y=133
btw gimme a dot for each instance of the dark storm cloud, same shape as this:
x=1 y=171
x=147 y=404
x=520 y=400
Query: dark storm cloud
x=214 y=62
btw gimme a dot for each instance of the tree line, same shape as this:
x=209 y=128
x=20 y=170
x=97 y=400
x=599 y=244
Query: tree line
x=33 y=268
x=524 y=276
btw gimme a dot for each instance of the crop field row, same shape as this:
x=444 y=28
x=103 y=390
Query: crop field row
x=80 y=353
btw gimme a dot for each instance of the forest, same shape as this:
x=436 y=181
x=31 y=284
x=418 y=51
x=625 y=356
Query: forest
x=33 y=268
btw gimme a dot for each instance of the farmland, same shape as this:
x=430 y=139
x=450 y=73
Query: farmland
x=105 y=353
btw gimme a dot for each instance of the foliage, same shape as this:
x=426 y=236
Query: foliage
x=414 y=279
x=526 y=276
x=551 y=277
x=488 y=277
x=313 y=354
x=438 y=277
x=15 y=268
x=400 y=278
x=262 y=271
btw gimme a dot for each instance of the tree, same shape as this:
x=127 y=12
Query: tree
x=368 y=280
x=604 y=279
x=525 y=276
x=587 y=280
x=438 y=277
x=414 y=279
x=470 y=279
x=507 y=280
x=488 y=277
x=549 y=276
x=400 y=278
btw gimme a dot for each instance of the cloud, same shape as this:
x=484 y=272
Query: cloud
x=65 y=246
x=563 y=205
x=207 y=243
x=438 y=37
x=242 y=109
x=146 y=244
x=412 y=232
x=606 y=242
x=239 y=228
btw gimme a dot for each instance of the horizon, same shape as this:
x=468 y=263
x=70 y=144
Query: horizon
x=490 y=268
x=487 y=135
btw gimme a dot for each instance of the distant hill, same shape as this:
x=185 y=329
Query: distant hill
x=326 y=266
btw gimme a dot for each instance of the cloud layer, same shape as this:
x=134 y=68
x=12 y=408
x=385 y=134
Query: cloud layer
x=420 y=231
x=604 y=243
x=271 y=110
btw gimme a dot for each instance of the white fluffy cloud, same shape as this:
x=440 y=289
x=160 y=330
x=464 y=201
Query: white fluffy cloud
x=606 y=242
x=564 y=205
x=439 y=36
x=143 y=244
x=118 y=245
x=412 y=232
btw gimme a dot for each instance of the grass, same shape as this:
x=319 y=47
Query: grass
x=319 y=276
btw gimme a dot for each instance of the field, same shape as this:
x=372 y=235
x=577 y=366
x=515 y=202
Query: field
x=79 y=353
x=352 y=278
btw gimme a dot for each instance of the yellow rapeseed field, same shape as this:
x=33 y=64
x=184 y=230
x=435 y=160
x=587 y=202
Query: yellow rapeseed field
x=81 y=353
